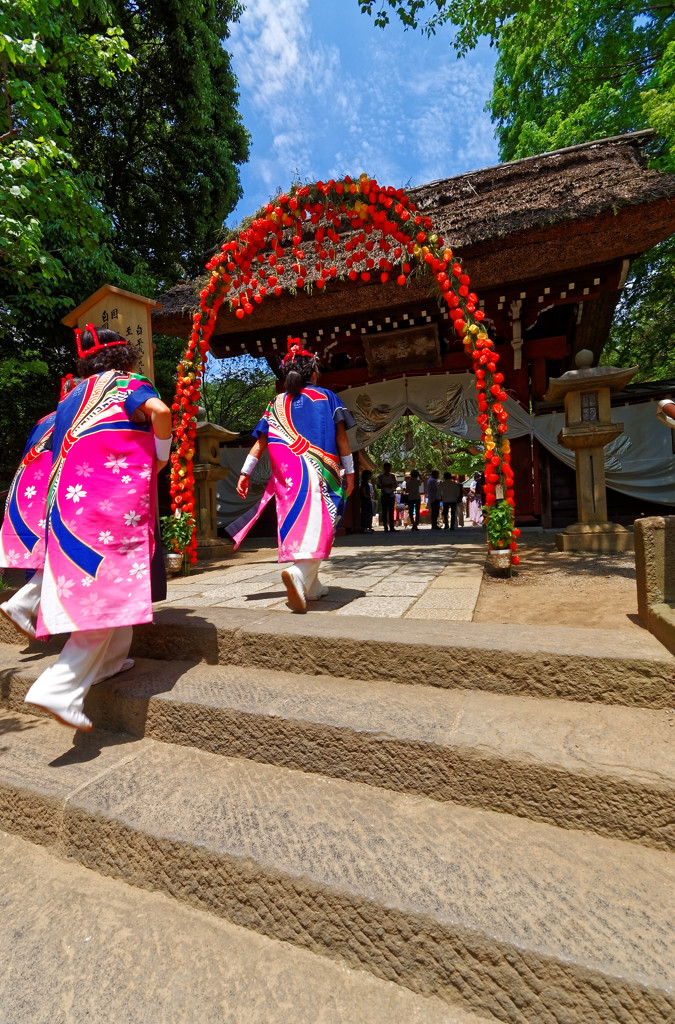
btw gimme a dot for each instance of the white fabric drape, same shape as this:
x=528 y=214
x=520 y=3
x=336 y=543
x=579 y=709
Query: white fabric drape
x=640 y=462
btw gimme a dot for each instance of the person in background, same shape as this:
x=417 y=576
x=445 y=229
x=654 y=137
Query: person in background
x=434 y=498
x=399 y=507
x=451 y=493
x=386 y=482
x=112 y=434
x=414 y=490
x=304 y=429
x=366 y=497
x=476 y=500
x=665 y=411
x=460 y=503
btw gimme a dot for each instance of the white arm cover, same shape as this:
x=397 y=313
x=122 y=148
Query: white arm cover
x=347 y=463
x=163 y=448
x=250 y=462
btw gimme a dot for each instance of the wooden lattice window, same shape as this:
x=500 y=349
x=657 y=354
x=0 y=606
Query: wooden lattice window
x=589 y=407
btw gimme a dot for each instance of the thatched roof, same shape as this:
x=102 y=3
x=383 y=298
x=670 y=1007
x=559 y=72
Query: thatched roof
x=580 y=206
x=569 y=184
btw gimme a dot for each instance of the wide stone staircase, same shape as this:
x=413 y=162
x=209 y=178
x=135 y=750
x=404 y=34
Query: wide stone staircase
x=345 y=820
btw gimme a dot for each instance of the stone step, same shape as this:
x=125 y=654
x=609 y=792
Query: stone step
x=79 y=947
x=608 y=769
x=517 y=919
x=590 y=665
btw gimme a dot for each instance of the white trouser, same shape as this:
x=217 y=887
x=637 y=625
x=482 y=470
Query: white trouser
x=308 y=569
x=27 y=600
x=86 y=658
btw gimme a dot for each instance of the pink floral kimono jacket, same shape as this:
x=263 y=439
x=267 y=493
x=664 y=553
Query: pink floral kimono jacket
x=100 y=509
x=22 y=535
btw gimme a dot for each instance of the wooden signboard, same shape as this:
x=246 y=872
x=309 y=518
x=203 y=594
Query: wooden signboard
x=416 y=348
x=120 y=311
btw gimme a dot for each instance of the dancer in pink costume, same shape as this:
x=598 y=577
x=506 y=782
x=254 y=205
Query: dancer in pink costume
x=305 y=431
x=22 y=534
x=111 y=435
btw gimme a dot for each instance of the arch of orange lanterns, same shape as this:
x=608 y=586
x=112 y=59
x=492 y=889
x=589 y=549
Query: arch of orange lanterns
x=383 y=236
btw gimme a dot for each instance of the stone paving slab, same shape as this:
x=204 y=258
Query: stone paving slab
x=451 y=598
x=458 y=581
x=524 y=920
x=79 y=948
x=440 y=613
x=607 y=769
x=361 y=573
x=394 y=586
x=379 y=607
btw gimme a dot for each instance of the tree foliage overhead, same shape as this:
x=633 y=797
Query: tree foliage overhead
x=571 y=72
x=119 y=145
x=590 y=69
x=166 y=138
x=470 y=19
x=44 y=193
x=595 y=69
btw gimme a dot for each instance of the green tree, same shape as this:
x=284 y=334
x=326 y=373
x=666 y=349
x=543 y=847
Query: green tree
x=236 y=392
x=587 y=70
x=569 y=73
x=595 y=69
x=53 y=226
x=42 y=184
x=116 y=166
x=166 y=138
x=414 y=444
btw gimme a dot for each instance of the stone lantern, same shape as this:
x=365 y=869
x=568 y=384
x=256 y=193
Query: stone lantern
x=207 y=471
x=588 y=428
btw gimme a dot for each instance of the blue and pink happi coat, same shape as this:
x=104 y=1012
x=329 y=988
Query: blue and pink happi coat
x=100 y=509
x=22 y=535
x=305 y=480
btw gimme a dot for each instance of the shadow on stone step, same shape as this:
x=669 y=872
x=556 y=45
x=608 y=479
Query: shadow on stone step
x=176 y=630
x=10 y=723
x=123 y=704
x=87 y=746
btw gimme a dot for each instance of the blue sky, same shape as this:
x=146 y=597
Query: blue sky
x=324 y=93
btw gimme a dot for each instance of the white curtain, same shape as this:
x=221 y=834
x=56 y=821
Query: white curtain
x=640 y=462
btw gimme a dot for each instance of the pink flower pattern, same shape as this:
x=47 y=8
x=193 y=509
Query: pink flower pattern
x=108 y=591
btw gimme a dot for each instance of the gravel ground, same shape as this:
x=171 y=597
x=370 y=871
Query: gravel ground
x=552 y=587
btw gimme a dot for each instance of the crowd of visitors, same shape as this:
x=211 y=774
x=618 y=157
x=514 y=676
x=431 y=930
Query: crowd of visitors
x=445 y=503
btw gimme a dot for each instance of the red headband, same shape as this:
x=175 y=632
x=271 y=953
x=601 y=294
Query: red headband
x=97 y=345
x=295 y=349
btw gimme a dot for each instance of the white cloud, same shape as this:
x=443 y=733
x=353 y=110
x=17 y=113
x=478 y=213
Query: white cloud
x=398 y=106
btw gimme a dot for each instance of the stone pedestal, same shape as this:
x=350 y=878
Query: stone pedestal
x=207 y=471
x=588 y=428
x=595 y=537
x=655 y=576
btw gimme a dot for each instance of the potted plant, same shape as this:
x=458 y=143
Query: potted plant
x=176 y=531
x=501 y=534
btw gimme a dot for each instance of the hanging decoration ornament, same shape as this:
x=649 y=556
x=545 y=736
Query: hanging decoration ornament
x=372 y=233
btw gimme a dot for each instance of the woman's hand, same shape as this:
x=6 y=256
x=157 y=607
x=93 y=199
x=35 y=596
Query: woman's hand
x=242 y=486
x=349 y=483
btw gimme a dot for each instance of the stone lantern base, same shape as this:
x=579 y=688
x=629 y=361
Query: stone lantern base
x=218 y=547
x=595 y=537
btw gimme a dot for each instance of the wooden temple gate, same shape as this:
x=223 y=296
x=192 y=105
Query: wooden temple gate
x=548 y=242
